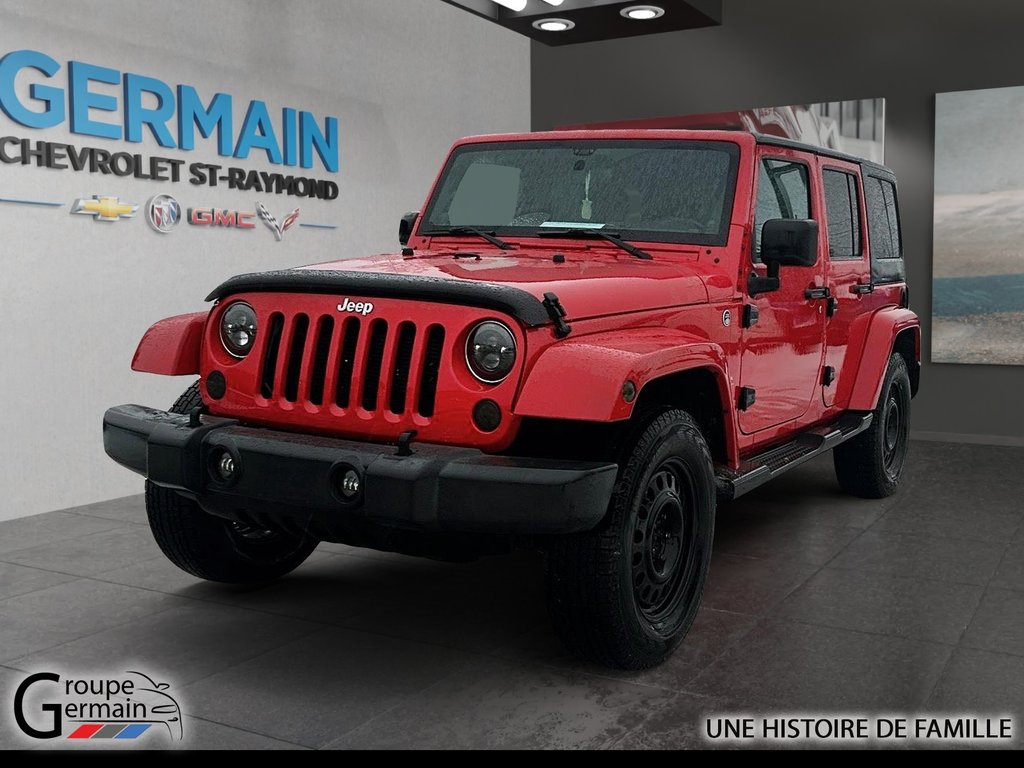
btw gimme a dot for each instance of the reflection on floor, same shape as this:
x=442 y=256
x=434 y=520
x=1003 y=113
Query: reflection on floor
x=816 y=603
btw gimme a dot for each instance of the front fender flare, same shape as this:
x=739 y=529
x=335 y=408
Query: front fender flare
x=581 y=379
x=171 y=347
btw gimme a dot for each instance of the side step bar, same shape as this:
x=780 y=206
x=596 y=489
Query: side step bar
x=758 y=470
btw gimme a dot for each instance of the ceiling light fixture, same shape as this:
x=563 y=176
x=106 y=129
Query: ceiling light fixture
x=554 y=2
x=553 y=25
x=643 y=12
x=512 y=5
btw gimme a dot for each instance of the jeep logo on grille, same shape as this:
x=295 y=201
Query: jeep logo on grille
x=358 y=307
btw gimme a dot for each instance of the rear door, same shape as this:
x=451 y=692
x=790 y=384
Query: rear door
x=782 y=351
x=847 y=264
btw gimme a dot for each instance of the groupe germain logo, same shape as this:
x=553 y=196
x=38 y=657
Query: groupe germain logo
x=356 y=307
x=115 y=709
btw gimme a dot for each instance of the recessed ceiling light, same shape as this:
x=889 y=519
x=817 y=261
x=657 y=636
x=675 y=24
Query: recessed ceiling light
x=553 y=25
x=512 y=5
x=643 y=12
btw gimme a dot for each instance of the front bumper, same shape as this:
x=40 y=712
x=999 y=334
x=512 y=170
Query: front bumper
x=293 y=479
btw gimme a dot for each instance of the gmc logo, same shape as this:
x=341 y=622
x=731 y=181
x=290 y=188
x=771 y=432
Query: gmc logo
x=360 y=308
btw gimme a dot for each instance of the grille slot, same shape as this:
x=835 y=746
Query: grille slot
x=294 y=362
x=431 y=368
x=347 y=364
x=270 y=355
x=374 y=363
x=318 y=374
x=403 y=367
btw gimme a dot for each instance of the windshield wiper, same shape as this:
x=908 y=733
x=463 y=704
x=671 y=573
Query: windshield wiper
x=488 y=236
x=611 y=237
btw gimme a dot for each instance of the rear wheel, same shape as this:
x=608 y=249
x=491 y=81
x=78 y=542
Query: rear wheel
x=871 y=465
x=625 y=594
x=211 y=547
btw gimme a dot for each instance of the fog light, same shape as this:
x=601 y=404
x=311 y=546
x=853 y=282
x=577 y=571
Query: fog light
x=350 y=484
x=487 y=415
x=226 y=466
x=216 y=385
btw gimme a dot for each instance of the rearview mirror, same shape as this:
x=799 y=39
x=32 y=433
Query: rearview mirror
x=785 y=243
x=406 y=226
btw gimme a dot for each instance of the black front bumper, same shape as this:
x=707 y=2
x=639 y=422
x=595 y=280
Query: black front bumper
x=293 y=479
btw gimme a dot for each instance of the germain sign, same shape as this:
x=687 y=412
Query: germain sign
x=174 y=116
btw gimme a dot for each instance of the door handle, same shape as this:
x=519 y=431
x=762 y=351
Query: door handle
x=813 y=294
x=862 y=288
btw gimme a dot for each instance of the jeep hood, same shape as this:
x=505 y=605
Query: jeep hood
x=586 y=286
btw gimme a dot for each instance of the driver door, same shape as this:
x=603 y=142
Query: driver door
x=782 y=352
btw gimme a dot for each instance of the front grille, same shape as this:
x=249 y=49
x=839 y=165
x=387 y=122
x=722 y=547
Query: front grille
x=374 y=365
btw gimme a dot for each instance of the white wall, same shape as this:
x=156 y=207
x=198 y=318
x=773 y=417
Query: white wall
x=404 y=77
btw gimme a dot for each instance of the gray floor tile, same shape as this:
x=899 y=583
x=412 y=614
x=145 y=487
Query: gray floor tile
x=203 y=734
x=711 y=634
x=786 y=665
x=876 y=602
x=782 y=539
x=1011 y=571
x=88 y=555
x=319 y=687
x=183 y=644
x=980 y=682
x=679 y=724
x=130 y=509
x=493 y=704
x=752 y=585
x=26 y=532
x=19 y=579
x=953 y=516
x=999 y=623
x=59 y=614
x=913 y=555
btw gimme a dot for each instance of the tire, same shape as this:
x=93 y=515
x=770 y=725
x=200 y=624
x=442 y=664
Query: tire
x=871 y=465
x=213 y=548
x=618 y=595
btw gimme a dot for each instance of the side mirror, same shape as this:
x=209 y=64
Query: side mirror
x=406 y=226
x=785 y=243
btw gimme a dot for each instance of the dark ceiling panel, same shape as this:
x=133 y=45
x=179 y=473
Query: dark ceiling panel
x=596 y=19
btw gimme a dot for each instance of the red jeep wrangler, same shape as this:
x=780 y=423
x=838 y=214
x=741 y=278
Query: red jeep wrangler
x=587 y=338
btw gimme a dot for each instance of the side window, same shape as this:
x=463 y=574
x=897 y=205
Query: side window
x=783 y=192
x=842 y=206
x=893 y=215
x=883 y=219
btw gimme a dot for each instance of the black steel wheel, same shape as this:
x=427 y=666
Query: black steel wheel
x=871 y=465
x=625 y=594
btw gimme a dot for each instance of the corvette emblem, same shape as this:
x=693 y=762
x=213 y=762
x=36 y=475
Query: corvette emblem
x=277 y=227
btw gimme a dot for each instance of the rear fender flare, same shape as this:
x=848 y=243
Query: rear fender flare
x=862 y=390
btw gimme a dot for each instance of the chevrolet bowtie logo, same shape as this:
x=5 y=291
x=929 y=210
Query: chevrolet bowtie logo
x=103 y=208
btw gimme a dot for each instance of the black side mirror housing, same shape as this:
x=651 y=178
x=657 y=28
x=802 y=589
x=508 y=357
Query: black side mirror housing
x=406 y=226
x=785 y=243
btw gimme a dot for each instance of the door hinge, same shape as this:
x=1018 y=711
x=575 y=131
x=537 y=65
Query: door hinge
x=748 y=397
x=832 y=306
x=751 y=315
x=828 y=376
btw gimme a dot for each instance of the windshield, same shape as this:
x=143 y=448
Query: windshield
x=670 y=191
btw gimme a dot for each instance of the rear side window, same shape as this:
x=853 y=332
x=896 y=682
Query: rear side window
x=783 y=192
x=842 y=205
x=883 y=219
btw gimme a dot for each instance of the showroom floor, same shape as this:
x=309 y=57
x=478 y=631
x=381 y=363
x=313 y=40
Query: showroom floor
x=816 y=603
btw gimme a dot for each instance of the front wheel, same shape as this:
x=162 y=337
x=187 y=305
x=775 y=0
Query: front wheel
x=871 y=464
x=213 y=548
x=625 y=594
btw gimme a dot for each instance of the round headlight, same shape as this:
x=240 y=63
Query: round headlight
x=238 y=329
x=491 y=352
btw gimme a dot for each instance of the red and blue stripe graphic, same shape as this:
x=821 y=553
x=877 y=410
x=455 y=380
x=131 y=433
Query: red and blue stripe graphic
x=109 y=731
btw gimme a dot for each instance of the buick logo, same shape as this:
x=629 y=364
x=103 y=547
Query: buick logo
x=163 y=213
